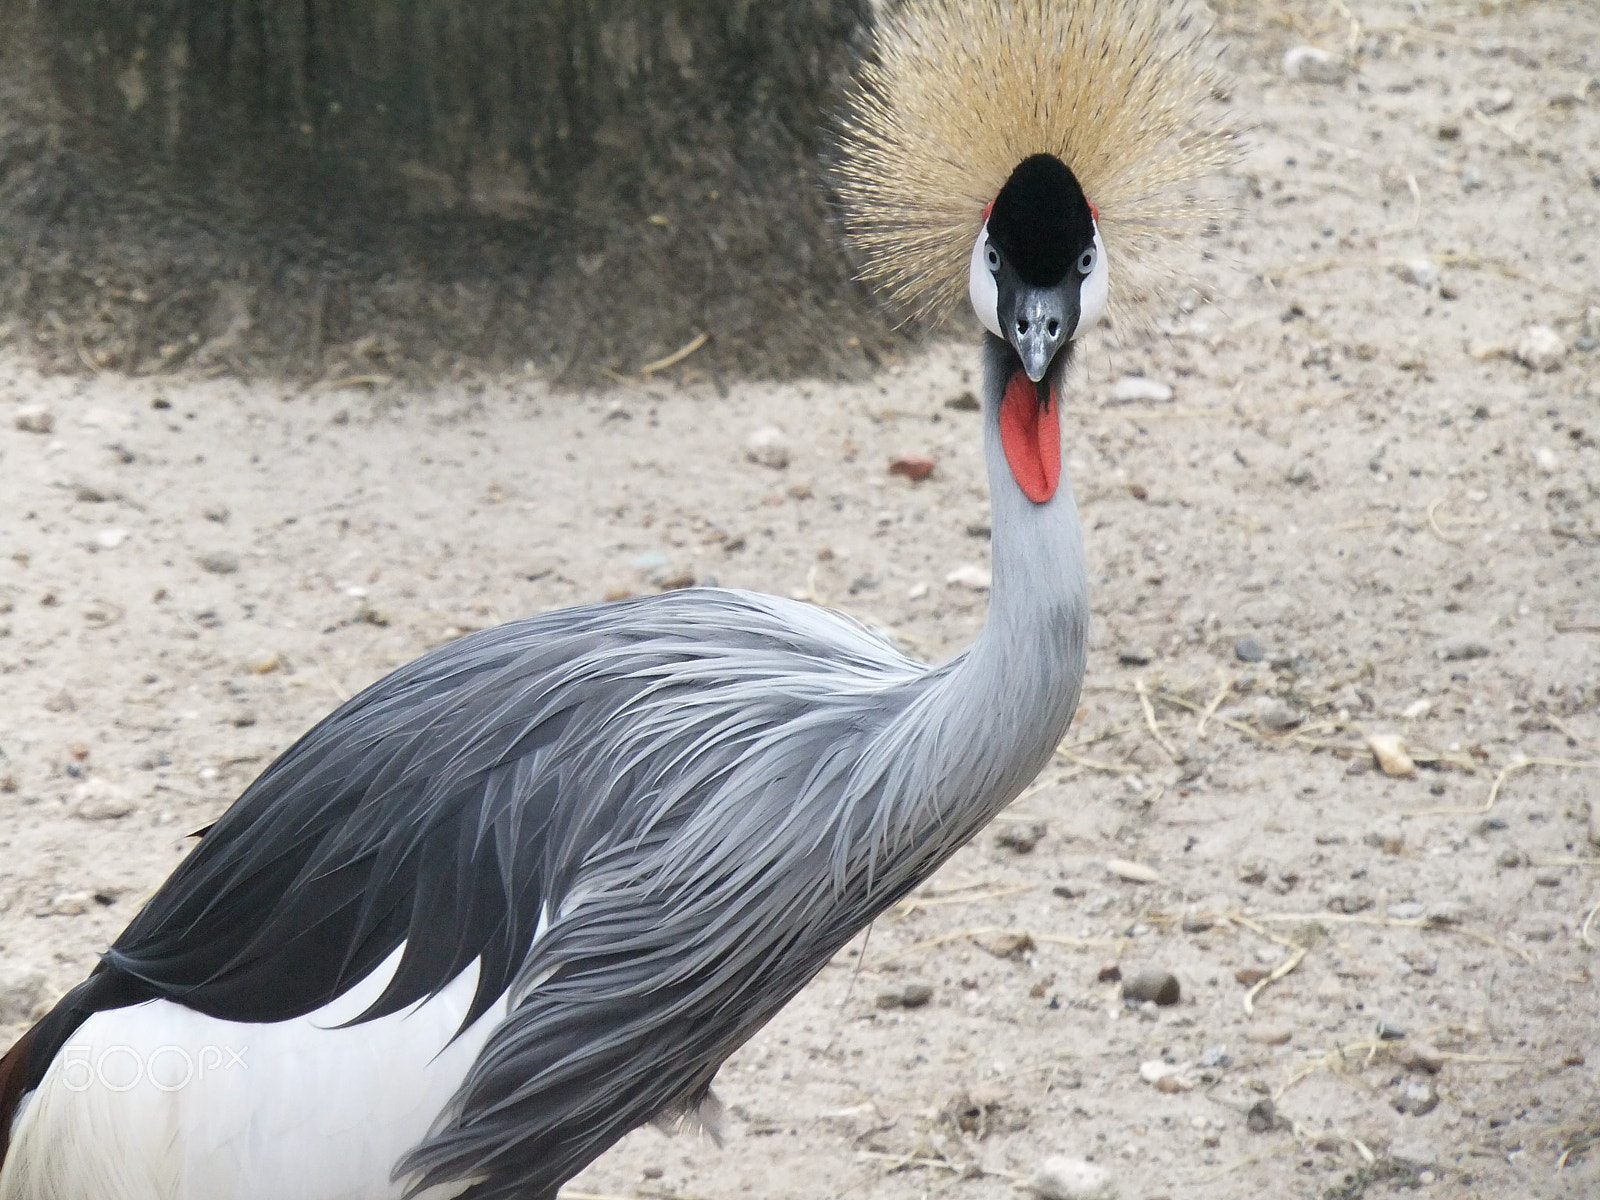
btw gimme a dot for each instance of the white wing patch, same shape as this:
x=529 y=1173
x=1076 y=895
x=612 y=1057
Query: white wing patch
x=188 y=1107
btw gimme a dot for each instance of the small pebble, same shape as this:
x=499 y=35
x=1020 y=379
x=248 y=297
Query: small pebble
x=1262 y=1117
x=1419 y=1098
x=1299 y=473
x=1420 y=1056
x=219 y=562
x=1540 y=348
x=1020 y=836
x=1463 y=650
x=69 y=904
x=1133 y=656
x=1248 y=649
x=110 y=539
x=906 y=995
x=1446 y=914
x=965 y=402
x=1389 y=749
x=1497 y=101
x=1136 y=389
x=1275 y=715
x=1594 y=822
x=768 y=447
x=1509 y=857
x=1390 y=1031
x=35 y=418
x=1152 y=983
x=1250 y=976
x=1386 y=834
x=264 y=662
x=1423 y=272
x=23 y=995
x=1063 y=1178
x=1313 y=64
x=1415 y=1154
x=972 y=577
x=1198 y=922
x=1407 y=910
x=1132 y=872
x=915 y=467
x=1214 y=1058
x=1269 y=1035
x=1110 y=972
x=1006 y=945
x=1548 y=878
x=100 y=800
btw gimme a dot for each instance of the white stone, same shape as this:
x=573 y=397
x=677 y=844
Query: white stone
x=1496 y=101
x=1423 y=272
x=1313 y=64
x=1540 y=348
x=1390 y=751
x=101 y=800
x=971 y=576
x=1136 y=389
x=769 y=447
x=35 y=418
x=1063 y=1178
x=22 y=995
x=1132 y=872
x=110 y=539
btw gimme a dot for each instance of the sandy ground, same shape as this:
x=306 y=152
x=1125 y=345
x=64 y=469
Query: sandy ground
x=1355 y=472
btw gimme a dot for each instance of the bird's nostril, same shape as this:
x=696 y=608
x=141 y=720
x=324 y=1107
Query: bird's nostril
x=1053 y=328
x=1022 y=327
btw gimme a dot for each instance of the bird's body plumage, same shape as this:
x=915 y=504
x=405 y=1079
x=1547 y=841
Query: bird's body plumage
x=612 y=841
x=530 y=891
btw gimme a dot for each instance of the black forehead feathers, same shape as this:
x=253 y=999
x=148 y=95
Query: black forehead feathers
x=1040 y=220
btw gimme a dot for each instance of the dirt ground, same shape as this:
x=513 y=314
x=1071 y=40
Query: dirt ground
x=1356 y=484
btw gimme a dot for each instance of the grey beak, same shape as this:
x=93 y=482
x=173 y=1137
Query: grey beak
x=1041 y=321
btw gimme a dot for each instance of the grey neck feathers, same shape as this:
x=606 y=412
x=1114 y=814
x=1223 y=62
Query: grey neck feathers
x=990 y=718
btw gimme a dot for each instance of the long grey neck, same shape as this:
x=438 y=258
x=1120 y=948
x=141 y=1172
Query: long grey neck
x=991 y=717
x=1029 y=660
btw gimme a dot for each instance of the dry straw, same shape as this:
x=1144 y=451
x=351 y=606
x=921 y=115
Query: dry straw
x=960 y=91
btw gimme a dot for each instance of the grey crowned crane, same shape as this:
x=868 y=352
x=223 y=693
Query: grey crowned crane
x=530 y=891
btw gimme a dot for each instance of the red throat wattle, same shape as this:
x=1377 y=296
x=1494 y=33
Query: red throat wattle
x=1031 y=437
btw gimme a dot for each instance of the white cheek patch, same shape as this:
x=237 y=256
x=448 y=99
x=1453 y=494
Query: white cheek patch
x=981 y=287
x=1092 y=291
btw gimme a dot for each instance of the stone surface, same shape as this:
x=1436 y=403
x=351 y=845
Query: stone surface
x=1154 y=984
x=1540 y=348
x=915 y=467
x=1136 y=389
x=971 y=576
x=912 y=994
x=1133 y=872
x=1249 y=649
x=1064 y=1178
x=768 y=447
x=218 y=562
x=23 y=995
x=1389 y=749
x=1314 y=65
x=34 y=418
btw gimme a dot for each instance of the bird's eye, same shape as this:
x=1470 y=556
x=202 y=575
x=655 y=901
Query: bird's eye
x=1086 y=261
x=993 y=257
